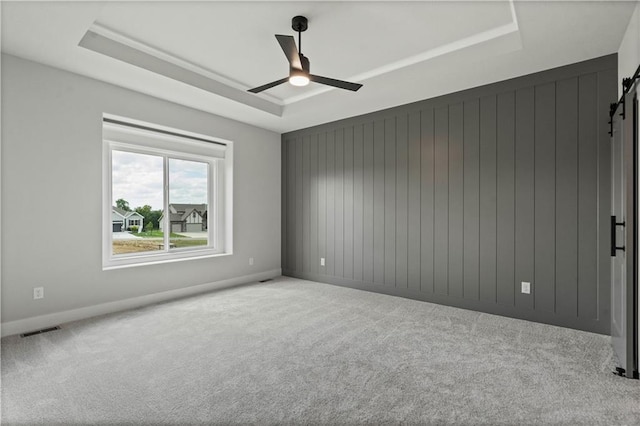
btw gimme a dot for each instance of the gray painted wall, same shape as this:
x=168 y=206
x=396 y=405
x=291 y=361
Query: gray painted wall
x=458 y=199
x=52 y=163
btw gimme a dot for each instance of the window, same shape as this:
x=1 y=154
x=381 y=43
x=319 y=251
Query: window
x=169 y=177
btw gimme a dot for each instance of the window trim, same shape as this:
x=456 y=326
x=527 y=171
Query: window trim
x=219 y=188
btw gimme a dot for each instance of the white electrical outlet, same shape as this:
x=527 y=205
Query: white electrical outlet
x=38 y=293
x=251 y=261
x=526 y=287
x=322 y=261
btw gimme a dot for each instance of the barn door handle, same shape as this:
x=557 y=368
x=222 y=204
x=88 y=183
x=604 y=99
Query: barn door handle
x=615 y=248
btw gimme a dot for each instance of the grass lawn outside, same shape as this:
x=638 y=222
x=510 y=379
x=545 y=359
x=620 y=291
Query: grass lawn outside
x=153 y=241
x=188 y=242
x=156 y=233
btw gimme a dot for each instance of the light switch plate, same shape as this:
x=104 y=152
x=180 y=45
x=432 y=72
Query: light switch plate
x=322 y=261
x=526 y=287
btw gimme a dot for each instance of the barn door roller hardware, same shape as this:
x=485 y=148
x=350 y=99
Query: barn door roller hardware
x=627 y=84
x=614 y=247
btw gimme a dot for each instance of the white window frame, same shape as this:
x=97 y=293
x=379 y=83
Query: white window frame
x=217 y=154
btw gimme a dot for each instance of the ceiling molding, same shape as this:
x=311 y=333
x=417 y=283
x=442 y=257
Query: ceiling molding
x=164 y=55
x=97 y=40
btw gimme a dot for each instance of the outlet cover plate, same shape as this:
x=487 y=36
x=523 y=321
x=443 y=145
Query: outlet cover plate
x=38 y=293
x=526 y=287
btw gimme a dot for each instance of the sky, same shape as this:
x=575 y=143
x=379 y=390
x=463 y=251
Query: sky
x=137 y=178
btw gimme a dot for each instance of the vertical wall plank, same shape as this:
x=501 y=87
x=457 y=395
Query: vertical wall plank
x=427 y=193
x=545 y=200
x=314 y=259
x=348 y=202
x=339 y=203
x=390 y=201
x=524 y=194
x=292 y=216
x=471 y=285
x=368 y=257
x=456 y=199
x=322 y=199
x=378 y=201
x=402 y=215
x=588 y=197
x=414 y=200
x=358 y=201
x=505 y=208
x=331 y=223
x=488 y=194
x=306 y=203
x=299 y=205
x=566 y=234
x=285 y=204
x=441 y=205
x=284 y=250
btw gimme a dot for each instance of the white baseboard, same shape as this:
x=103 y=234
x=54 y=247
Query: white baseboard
x=49 y=320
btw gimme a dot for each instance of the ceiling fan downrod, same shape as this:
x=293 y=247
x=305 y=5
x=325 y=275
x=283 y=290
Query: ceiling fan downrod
x=299 y=24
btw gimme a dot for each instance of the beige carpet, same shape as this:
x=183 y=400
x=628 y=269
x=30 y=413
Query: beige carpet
x=298 y=352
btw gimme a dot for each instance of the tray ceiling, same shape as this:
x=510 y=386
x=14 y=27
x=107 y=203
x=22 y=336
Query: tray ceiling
x=207 y=54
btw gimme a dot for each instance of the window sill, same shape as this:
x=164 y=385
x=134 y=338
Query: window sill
x=131 y=262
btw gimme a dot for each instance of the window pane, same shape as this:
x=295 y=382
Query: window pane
x=188 y=203
x=137 y=199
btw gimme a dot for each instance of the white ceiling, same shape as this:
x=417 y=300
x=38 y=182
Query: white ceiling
x=401 y=51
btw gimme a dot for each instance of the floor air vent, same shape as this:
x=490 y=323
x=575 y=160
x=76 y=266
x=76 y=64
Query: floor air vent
x=44 y=330
x=264 y=281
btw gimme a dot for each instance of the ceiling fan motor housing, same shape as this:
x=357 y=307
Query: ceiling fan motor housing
x=306 y=66
x=305 y=71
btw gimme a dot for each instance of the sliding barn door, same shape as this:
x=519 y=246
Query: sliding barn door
x=624 y=213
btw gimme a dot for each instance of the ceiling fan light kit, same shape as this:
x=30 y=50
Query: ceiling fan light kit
x=299 y=65
x=299 y=79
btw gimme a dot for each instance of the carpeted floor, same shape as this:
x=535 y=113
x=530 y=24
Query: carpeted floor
x=299 y=352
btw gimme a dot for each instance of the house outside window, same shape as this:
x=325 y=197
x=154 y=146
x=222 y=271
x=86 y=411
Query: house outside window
x=181 y=181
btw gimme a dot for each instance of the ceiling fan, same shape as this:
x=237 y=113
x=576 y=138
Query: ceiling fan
x=299 y=70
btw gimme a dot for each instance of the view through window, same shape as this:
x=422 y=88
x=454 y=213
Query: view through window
x=188 y=210
x=139 y=219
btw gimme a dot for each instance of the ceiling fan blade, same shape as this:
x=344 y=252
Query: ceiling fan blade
x=269 y=85
x=290 y=50
x=335 y=83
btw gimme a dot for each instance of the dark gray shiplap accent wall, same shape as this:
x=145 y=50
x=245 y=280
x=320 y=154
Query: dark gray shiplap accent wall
x=457 y=199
